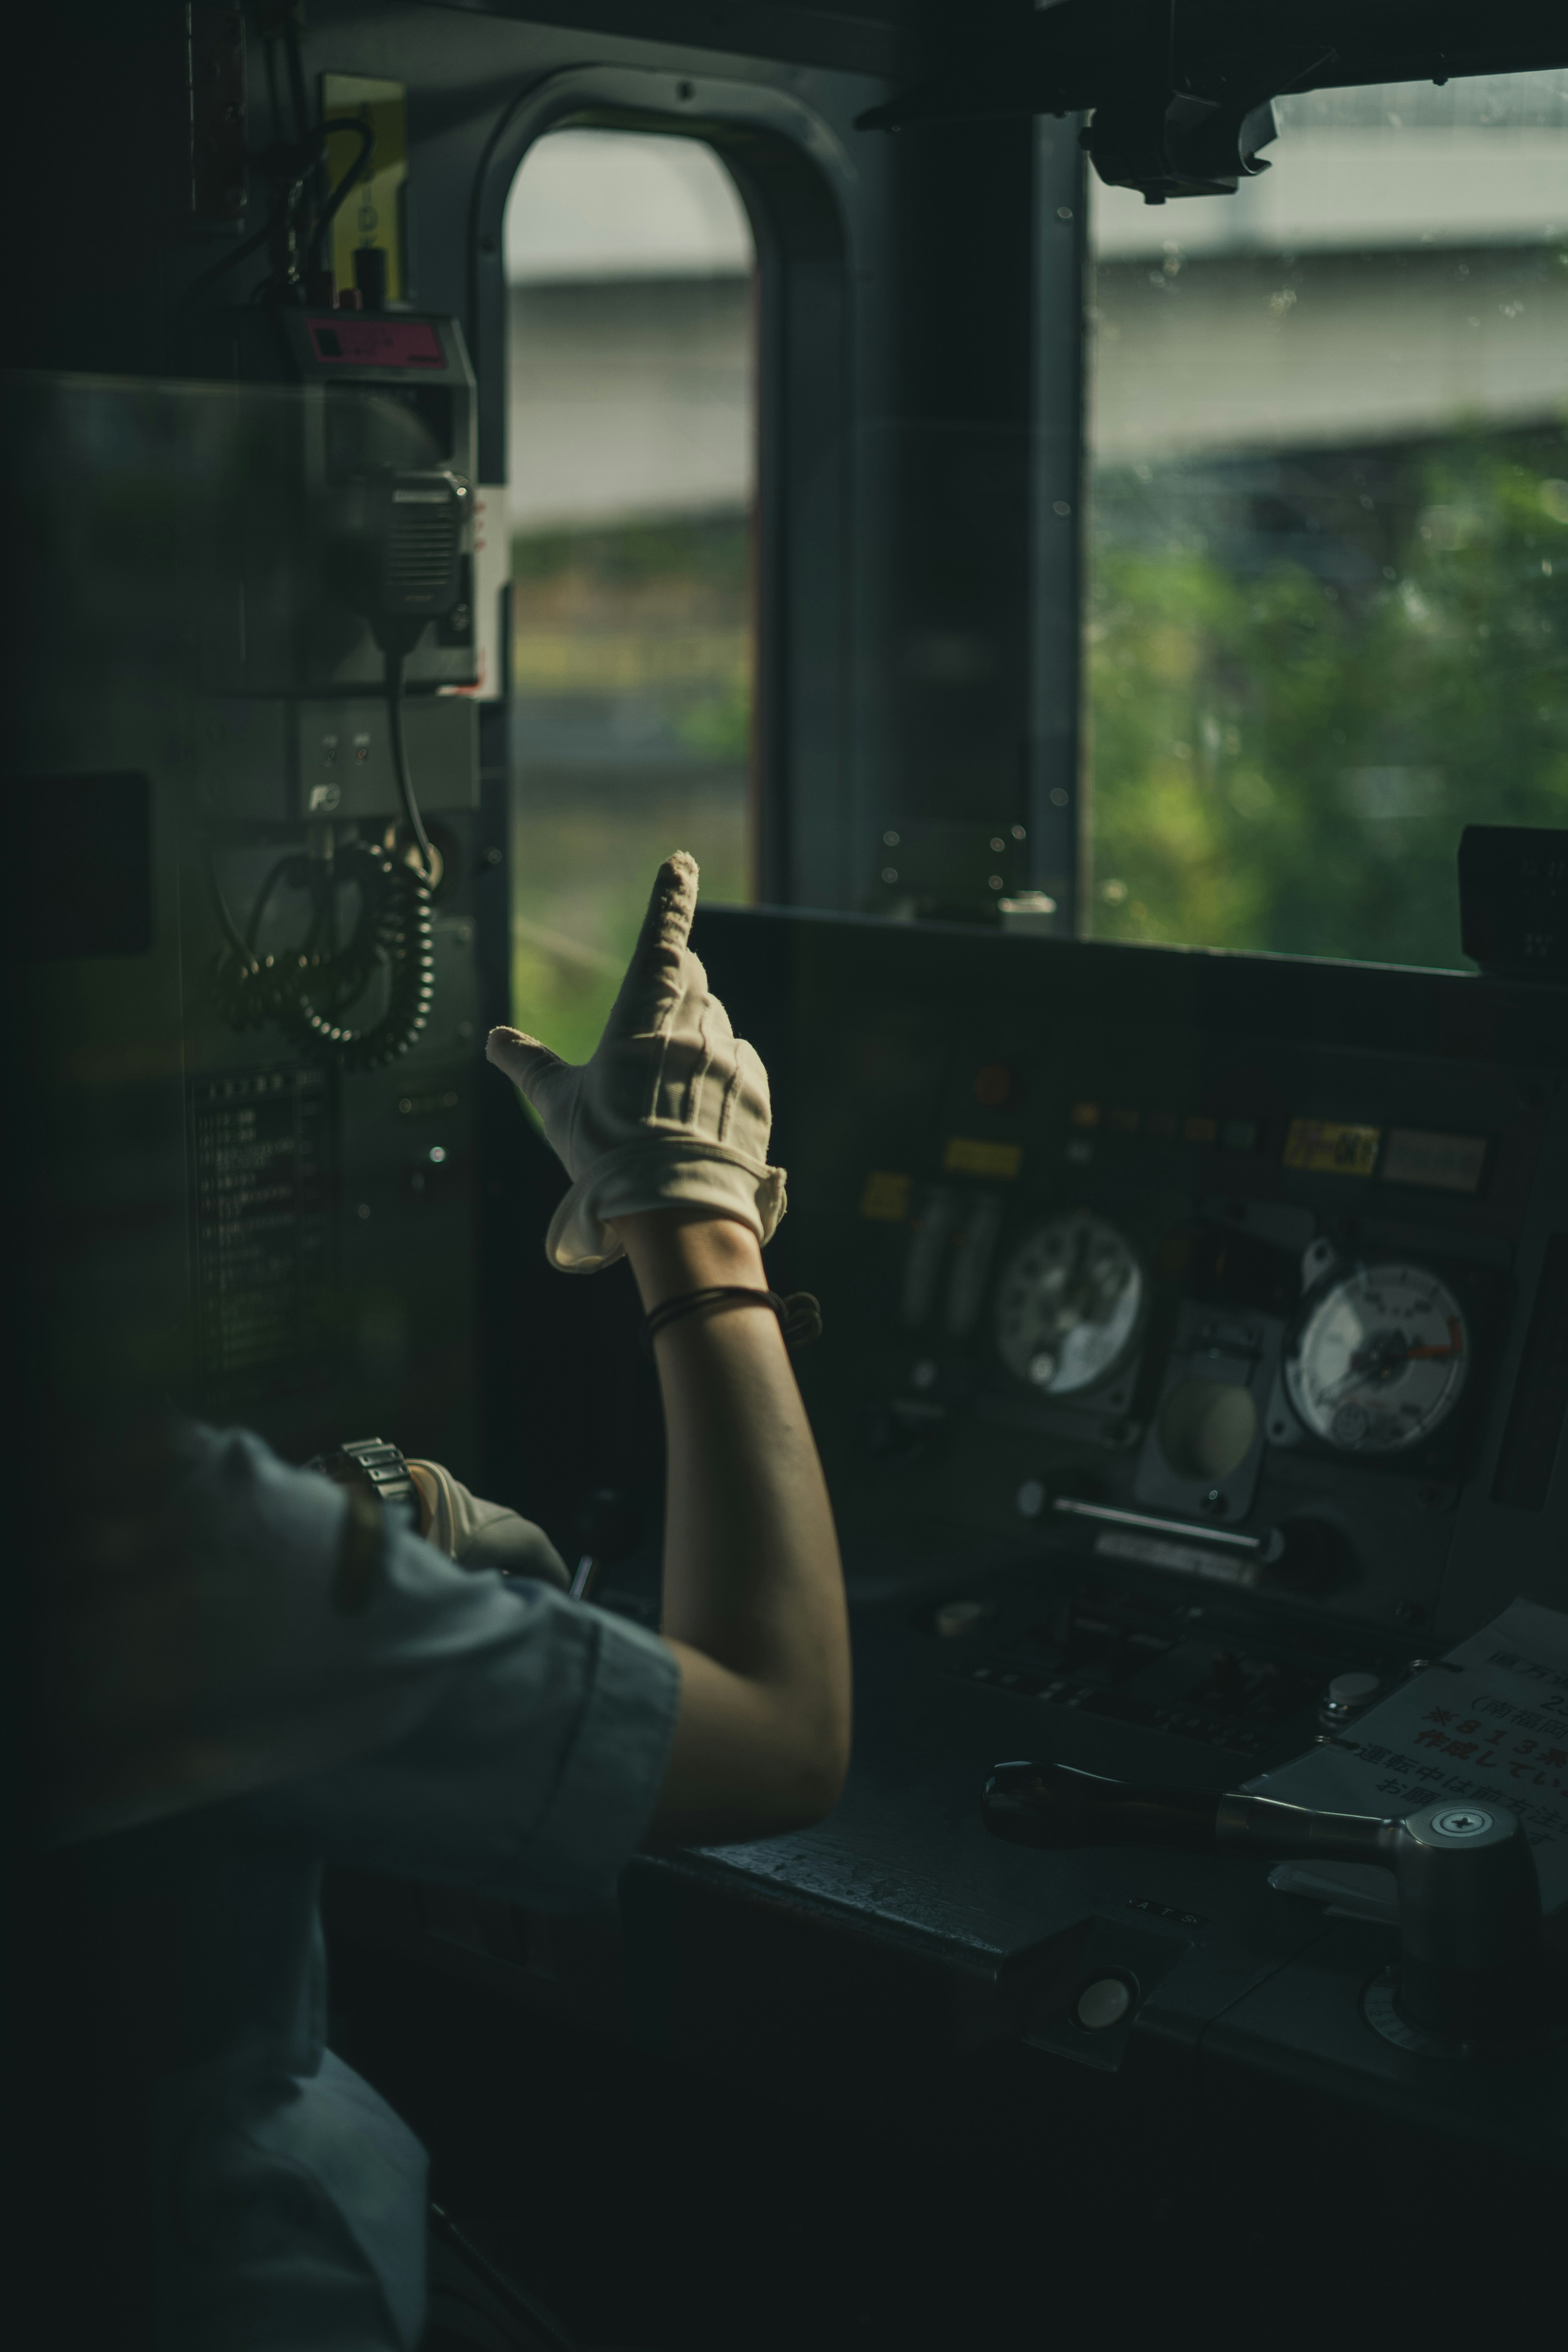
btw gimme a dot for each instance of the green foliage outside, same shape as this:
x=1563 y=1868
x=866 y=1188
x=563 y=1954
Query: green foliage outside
x=685 y=561
x=1282 y=759
x=583 y=870
x=1284 y=763
x=642 y=632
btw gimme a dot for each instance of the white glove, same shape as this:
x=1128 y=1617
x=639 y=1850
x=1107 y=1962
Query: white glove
x=478 y=1534
x=673 y=1110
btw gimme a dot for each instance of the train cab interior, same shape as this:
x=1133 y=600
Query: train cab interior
x=1062 y=509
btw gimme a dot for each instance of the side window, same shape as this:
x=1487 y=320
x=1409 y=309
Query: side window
x=632 y=439
x=1328 y=612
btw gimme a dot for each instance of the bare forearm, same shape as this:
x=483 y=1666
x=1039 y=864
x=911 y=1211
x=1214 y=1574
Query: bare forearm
x=753 y=1581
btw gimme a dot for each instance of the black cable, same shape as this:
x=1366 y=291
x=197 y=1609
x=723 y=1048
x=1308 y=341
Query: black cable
x=295 y=65
x=352 y=177
x=400 y=765
x=228 y=261
x=288 y=194
x=401 y=938
x=303 y=130
x=393 y=929
x=263 y=897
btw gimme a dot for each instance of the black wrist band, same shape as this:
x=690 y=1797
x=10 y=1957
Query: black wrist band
x=800 y=1316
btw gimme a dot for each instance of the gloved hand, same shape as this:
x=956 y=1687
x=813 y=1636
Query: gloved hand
x=672 y=1110
x=478 y=1534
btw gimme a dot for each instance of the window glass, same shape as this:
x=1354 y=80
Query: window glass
x=1328 y=617
x=629 y=262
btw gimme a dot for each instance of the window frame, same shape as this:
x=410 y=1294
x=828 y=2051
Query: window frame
x=796 y=186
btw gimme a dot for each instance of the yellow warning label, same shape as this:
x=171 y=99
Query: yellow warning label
x=886 y=1197
x=373 y=212
x=971 y=1155
x=1330 y=1149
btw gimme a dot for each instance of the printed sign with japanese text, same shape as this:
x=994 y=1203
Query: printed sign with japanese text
x=1489 y=1726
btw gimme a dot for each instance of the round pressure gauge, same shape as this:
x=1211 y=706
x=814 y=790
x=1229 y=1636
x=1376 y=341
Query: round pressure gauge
x=1379 y=1359
x=1069 y=1305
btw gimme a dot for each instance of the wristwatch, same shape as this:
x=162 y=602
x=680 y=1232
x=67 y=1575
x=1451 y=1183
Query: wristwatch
x=381 y=1467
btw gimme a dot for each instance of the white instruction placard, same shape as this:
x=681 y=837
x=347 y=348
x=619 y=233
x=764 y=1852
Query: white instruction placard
x=1488 y=1725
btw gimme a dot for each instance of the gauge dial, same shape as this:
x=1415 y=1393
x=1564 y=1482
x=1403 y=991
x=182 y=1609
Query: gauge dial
x=1380 y=1359
x=1069 y=1305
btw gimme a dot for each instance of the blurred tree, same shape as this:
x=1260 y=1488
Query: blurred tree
x=632 y=683
x=1286 y=751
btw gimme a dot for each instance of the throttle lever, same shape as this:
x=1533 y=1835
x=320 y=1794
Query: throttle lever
x=1472 y=1965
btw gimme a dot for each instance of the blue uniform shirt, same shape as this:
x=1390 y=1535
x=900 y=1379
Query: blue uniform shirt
x=278 y=1698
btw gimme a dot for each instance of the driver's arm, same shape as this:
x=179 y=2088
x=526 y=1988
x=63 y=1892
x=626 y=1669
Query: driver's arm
x=753 y=1597
x=665 y=1134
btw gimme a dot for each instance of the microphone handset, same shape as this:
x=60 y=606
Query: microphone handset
x=396 y=546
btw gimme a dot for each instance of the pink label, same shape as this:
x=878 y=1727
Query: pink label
x=348 y=339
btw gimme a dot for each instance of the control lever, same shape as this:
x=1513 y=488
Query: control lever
x=1472 y=1964
x=608 y=1529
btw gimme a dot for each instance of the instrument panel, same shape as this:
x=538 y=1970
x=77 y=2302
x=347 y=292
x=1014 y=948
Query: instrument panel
x=1206 y=1282
x=1069 y=1305
x=1379 y=1359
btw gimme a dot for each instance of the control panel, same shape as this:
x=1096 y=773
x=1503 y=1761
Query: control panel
x=256 y=1000
x=1229 y=1288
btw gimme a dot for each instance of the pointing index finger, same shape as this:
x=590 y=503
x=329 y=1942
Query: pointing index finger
x=667 y=926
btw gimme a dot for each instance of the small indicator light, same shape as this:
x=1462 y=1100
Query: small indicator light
x=1442 y=1163
x=886 y=1197
x=971 y=1155
x=1330 y=1148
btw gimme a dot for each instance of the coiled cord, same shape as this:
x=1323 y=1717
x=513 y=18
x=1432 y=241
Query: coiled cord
x=300 y=993
x=393 y=661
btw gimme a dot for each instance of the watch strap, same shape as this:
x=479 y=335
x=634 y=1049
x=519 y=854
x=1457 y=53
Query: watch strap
x=383 y=1468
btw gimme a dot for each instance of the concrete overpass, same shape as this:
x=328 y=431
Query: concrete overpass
x=1400 y=272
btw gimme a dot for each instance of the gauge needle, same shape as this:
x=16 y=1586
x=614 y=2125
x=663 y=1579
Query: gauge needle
x=1361 y=1363
x=1372 y=1361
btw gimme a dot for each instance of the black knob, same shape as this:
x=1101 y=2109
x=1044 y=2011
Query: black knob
x=1310 y=1556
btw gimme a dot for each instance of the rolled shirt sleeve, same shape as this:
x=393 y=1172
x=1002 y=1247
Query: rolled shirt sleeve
x=532 y=1776
x=278 y=1675
x=288 y=1651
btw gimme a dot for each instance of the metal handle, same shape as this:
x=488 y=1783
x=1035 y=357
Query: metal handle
x=1057 y=1805
x=1471 y=1963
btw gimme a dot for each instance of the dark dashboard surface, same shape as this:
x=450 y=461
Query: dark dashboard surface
x=1152 y=1565
x=1080 y=1577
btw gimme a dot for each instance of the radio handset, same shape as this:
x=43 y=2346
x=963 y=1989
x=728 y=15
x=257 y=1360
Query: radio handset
x=395 y=557
x=397 y=547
